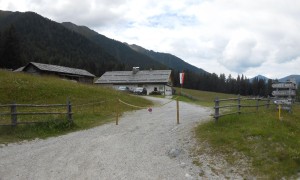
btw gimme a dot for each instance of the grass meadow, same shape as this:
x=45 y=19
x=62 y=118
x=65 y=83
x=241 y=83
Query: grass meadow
x=272 y=145
x=92 y=105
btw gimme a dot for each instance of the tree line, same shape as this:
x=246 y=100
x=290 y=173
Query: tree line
x=212 y=82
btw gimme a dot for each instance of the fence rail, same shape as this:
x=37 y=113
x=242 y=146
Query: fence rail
x=33 y=105
x=14 y=113
x=217 y=106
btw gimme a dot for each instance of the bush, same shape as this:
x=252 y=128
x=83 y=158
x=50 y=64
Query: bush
x=155 y=93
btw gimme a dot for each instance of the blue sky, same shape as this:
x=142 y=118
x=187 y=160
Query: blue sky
x=220 y=36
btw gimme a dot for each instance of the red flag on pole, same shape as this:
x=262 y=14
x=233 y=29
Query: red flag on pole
x=181 y=78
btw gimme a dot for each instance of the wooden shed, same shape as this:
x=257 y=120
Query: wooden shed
x=79 y=75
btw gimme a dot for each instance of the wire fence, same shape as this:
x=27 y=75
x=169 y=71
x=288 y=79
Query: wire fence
x=150 y=109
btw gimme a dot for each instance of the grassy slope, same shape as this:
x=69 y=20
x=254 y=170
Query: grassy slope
x=204 y=98
x=28 y=89
x=273 y=145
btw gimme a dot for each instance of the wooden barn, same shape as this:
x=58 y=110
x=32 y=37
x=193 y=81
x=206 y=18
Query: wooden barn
x=152 y=80
x=79 y=75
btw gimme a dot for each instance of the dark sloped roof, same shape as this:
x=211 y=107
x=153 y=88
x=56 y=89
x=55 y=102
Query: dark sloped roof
x=61 y=69
x=19 y=69
x=125 y=77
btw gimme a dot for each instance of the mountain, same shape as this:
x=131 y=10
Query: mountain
x=168 y=60
x=134 y=54
x=117 y=49
x=259 y=77
x=296 y=77
x=39 y=39
x=29 y=37
x=35 y=38
x=42 y=40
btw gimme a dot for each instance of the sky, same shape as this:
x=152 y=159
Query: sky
x=234 y=37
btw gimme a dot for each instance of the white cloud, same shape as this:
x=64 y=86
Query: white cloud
x=242 y=52
x=219 y=36
x=272 y=70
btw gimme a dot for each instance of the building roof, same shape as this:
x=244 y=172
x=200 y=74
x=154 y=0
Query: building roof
x=19 y=69
x=128 y=77
x=60 y=69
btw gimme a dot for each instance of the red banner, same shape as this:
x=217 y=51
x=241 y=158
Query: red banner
x=181 y=78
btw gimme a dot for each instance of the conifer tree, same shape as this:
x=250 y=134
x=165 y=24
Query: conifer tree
x=11 y=58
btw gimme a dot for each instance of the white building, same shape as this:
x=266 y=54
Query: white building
x=152 y=80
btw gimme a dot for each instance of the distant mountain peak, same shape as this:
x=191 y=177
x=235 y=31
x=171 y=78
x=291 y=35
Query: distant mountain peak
x=260 y=77
x=168 y=60
x=293 y=76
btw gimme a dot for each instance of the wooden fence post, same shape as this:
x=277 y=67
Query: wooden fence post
x=239 y=104
x=94 y=106
x=13 y=111
x=177 y=107
x=217 y=103
x=117 y=112
x=268 y=102
x=69 y=110
x=279 y=112
x=257 y=102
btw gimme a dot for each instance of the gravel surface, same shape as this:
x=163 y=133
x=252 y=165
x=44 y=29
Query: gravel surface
x=143 y=146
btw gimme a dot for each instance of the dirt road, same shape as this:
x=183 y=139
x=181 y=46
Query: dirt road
x=143 y=146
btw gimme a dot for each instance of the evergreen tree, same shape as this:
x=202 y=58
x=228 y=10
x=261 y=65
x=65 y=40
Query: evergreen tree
x=243 y=86
x=222 y=83
x=298 y=93
x=238 y=85
x=269 y=88
x=1 y=48
x=261 y=87
x=248 y=87
x=11 y=57
x=255 y=88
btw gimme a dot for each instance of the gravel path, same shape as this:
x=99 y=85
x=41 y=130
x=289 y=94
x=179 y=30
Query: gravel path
x=143 y=146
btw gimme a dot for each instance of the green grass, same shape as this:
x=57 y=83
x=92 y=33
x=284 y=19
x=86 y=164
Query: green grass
x=204 y=98
x=28 y=89
x=272 y=145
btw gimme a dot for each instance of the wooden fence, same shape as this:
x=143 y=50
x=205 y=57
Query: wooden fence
x=14 y=113
x=238 y=105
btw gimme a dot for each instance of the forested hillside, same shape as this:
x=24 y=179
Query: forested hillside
x=27 y=37
x=168 y=60
x=134 y=54
x=117 y=49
